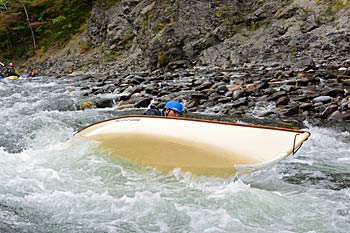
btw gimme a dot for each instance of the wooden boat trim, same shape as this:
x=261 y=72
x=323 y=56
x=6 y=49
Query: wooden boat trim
x=200 y=120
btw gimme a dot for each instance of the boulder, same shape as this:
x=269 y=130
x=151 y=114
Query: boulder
x=322 y=99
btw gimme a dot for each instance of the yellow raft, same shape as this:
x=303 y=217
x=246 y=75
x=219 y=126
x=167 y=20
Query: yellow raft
x=14 y=77
x=202 y=147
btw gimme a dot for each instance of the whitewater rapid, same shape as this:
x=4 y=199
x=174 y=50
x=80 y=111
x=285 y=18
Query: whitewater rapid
x=51 y=182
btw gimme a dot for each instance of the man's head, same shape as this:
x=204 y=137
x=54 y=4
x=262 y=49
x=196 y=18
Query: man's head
x=11 y=65
x=173 y=108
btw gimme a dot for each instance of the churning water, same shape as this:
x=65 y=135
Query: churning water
x=50 y=182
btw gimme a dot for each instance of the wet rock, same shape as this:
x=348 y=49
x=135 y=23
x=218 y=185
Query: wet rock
x=319 y=107
x=182 y=64
x=326 y=75
x=131 y=90
x=199 y=95
x=108 y=88
x=346 y=115
x=309 y=24
x=222 y=89
x=305 y=106
x=87 y=104
x=277 y=95
x=288 y=88
x=303 y=82
x=241 y=93
x=135 y=80
x=282 y=101
x=329 y=110
x=240 y=102
x=342 y=70
x=204 y=85
x=266 y=113
x=305 y=63
x=339 y=116
x=153 y=89
x=262 y=85
x=68 y=67
x=191 y=104
x=347 y=91
x=233 y=87
x=303 y=98
x=291 y=110
x=304 y=74
x=278 y=29
x=225 y=100
x=343 y=79
x=322 y=99
x=237 y=94
x=124 y=106
x=213 y=97
x=345 y=103
x=96 y=91
x=105 y=103
x=251 y=86
x=334 y=92
x=143 y=103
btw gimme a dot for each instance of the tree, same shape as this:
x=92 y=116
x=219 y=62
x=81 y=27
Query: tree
x=32 y=26
x=3 y=5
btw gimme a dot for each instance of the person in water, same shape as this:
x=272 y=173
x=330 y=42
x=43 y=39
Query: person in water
x=11 y=71
x=32 y=73
x=1 y=72
x=172 y=108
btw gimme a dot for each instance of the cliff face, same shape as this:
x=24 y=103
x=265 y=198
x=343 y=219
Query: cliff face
x=152 y=34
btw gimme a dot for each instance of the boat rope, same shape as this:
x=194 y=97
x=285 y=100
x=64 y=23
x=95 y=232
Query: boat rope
x=296 y=150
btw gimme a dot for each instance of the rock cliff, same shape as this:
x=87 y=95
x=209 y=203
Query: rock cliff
x=263 y=58
x=170 y=34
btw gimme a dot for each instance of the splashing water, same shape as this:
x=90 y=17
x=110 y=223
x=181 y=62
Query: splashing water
x=51 y=182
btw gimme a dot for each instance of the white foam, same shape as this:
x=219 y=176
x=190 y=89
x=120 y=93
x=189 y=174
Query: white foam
x=72 y=184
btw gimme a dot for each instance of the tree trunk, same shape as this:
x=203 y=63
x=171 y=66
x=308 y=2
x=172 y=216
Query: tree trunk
x=31 y=29
x=4 y=4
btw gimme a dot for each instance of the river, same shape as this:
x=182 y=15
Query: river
x=50 y=182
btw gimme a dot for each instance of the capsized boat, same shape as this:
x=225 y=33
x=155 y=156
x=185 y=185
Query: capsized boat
x=202 y=147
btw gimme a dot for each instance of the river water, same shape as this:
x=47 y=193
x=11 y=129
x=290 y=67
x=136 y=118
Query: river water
x=50 y=182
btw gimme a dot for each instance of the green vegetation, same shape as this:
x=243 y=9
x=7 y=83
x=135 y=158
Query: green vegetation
x=84 y=46
x=331 y=8
x=219 y=15
x=112 y=2
x=340 y=4
x=30 y=27
x=164 y=24
x=253 y=25
x=127 y=39
x=334 y=5
x=233 y=20
x=162 y=59
x=111 y=56
x=293 y=50
x=232 y=28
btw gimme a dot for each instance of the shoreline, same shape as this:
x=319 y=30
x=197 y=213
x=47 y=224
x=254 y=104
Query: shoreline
x=285 y=93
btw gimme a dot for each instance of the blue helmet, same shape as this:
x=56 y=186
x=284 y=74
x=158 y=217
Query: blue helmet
x=174 y=105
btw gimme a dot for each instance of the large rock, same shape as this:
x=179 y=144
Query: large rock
x=149 y=35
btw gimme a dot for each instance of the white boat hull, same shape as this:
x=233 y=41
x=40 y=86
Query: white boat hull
x=202 y=147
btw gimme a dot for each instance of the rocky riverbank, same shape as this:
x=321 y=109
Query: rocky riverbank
x=273 y=59
x=306 y=91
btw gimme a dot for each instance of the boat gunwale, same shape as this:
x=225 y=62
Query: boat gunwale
x=200 y=120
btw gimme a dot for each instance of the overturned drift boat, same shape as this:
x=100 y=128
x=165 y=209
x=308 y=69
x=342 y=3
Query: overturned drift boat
x=202 y=147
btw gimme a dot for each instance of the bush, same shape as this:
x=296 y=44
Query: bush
x=53 y=22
